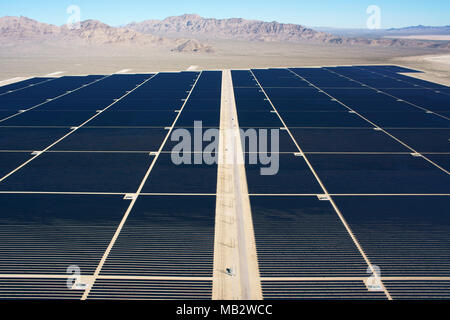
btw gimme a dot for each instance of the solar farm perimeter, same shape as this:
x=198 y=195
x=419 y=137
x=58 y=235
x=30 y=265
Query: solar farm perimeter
x=362 y=192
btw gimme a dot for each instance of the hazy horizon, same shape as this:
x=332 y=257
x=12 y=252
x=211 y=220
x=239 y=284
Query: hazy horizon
x=343 y=15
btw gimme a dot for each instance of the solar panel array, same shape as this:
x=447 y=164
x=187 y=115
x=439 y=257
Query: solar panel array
x=86 y=178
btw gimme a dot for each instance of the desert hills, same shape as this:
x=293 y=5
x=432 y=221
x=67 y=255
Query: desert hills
x=185 y=33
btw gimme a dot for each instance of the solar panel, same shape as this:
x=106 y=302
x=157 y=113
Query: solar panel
x=88 y=178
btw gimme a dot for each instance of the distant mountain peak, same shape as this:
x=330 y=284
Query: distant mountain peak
x=195 y=26
x=90 y=32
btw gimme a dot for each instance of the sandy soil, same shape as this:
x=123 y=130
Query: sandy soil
x=436 y=68
x=37 y=60
x=424 y=37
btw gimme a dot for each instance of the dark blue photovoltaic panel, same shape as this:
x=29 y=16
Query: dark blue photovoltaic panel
x=34 y=95
x=134 y=119
x=424 y=140
x=5 y=114
x=167 y=81
x=418 y=289
x=105 y=289
x=98 y=95
x=208 y=118
x=295 y=93
x=373 y=80
x=75 y=172
x=379 y=174
x=318 y=290
x=49 y=118
x=419 y=83
x=393 y=72
x=51 y=89
x=22 y=84
x=152 y=104
x=248 y=94
x=297 y=235
x=75 y=103
x=113 y=139
x=301 y=105
x=342 y=119
x=406 y=120
x=188 y=136
x=359 y=93
x=368 y=100
x=286 y=144
x=166 y=236
x=11 y=160
x=259 y=135
x=302 y=237
x=253 y=105
x=202 y=104
x=41 y=288
x=442 y=160
x=34 y=139
x=404 y=236
x=243 y=78
x=322 y=78
x=259 y=119
x=168 y=177
x=276 y=78
x=16 y=104
x=389 y=68
x=423 y=98
x=44 y=234
x=346 y=140
x=293 y=176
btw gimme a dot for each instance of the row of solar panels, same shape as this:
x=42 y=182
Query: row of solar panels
x=297 y=236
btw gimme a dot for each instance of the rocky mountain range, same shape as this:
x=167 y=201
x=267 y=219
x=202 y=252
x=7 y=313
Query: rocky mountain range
x=420 y=29
x=186 y=33
x=193 y=25
x=89 y=32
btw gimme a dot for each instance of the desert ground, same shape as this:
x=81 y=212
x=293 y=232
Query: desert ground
x=425 y=37
x=36 y=59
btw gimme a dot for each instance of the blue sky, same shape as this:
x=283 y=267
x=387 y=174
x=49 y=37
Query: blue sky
x=333 y=13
